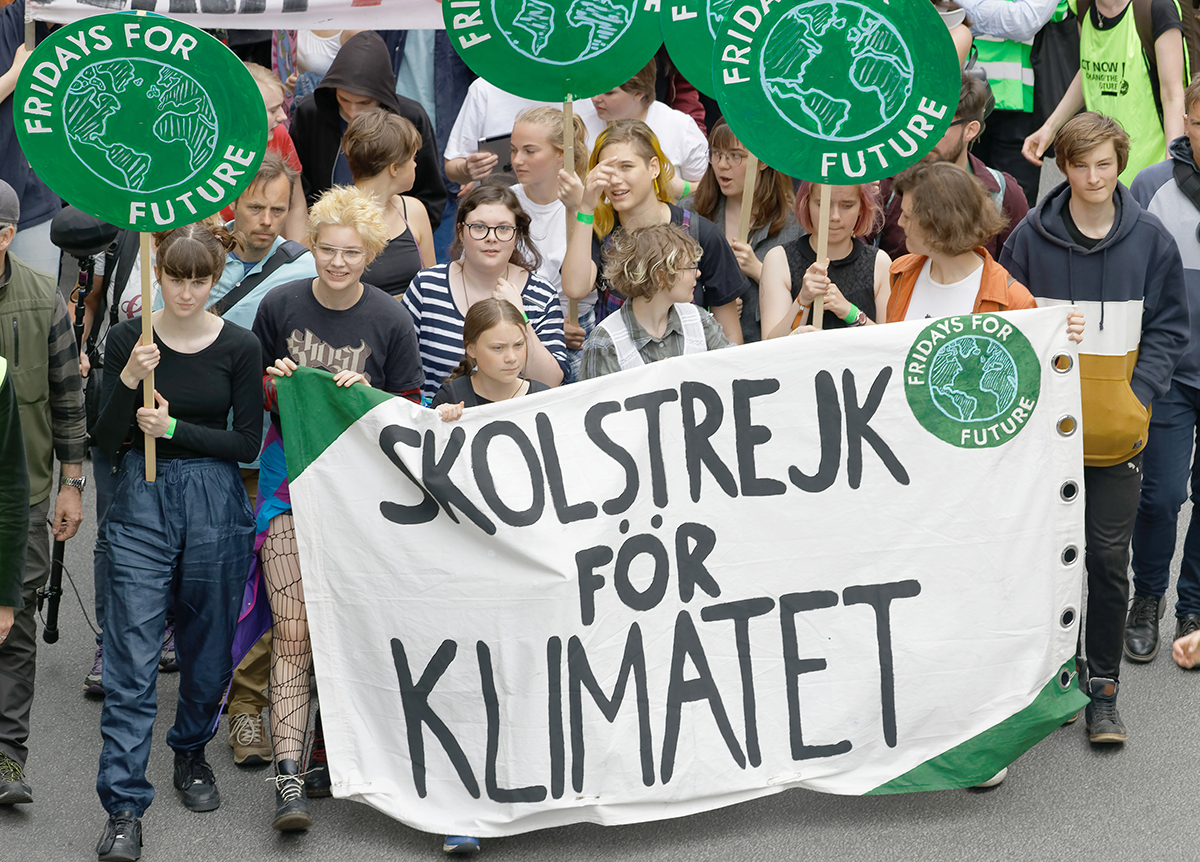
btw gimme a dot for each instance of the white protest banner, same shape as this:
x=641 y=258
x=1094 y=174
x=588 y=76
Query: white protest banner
x=261 y=14
x=847 y=561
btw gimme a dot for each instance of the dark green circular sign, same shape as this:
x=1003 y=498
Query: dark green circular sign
x=972 y=380
x=140 y=120
x=836 y=91
x=549 y=50
x=690 y=29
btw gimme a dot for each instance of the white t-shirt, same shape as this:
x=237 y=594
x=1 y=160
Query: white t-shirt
x=931 y=299
x=486 y=112
x=548 y=229
x=677 y=134
x=316 y=53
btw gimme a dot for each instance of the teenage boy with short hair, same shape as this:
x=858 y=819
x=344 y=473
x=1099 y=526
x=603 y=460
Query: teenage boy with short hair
x=1090 y=244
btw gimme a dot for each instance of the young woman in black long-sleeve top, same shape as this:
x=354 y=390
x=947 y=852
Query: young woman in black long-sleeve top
x=185 y=539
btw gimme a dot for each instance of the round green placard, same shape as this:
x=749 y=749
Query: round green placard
x=140 y=120
x=972 y=380
x=549 y=50
x=836 y=91
x=690 y=29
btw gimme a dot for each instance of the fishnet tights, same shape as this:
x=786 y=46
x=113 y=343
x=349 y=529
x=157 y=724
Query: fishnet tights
x=291 y=651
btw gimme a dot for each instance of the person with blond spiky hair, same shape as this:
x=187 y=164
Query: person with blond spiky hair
x=362 y=336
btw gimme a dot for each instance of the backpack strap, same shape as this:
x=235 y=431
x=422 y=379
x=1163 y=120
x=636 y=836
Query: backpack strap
x=998 y=196
x=1188 y=181
x=286 y=253
x=627 y=352
x=693 y=328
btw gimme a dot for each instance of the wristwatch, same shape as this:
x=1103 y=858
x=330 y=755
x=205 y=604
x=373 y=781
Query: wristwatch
x=861 y=320
x=77 y=484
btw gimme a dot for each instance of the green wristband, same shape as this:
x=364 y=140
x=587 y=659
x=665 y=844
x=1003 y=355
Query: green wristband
x=687 y=189
x=853 y=315
x=170 y=429
x=585 y=218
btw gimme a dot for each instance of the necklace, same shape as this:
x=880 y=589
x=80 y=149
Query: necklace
x=462 y=277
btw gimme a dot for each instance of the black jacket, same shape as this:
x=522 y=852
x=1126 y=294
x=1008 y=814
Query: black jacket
x=363 y=66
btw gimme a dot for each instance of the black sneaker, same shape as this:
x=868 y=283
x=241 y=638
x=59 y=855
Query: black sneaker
x=195 y=782
x=1103 y=721
x=1185 y=625
x=1141 y=628
x=13 y=788
x=93 y=683
x=122 y=837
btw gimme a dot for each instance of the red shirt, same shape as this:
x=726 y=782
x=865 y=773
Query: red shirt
x=280 y=143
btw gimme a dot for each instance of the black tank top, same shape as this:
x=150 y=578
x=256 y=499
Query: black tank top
x=854 y=275
x=394 y=267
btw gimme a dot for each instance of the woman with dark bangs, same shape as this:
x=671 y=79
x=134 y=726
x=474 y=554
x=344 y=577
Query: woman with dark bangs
x=855 y=284
x=718 y=198
x=185 y=539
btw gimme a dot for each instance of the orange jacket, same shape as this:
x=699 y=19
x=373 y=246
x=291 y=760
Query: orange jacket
x=998 y=291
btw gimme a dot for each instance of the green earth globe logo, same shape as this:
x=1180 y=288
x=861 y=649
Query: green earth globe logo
x=717 y=10
x=113 y=102
x=540 y=31
x=836 y=70
x=973 y=378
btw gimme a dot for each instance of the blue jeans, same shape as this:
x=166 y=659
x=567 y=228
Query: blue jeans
x=104 y=482
x=1165 y=467
x=185 y=540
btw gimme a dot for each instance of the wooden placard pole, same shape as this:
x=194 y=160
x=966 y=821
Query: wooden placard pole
x=569 y=167
x=818 y=306
x=147 y=338
x=743 y=233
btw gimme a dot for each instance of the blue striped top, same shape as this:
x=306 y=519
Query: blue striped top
x=439 y=323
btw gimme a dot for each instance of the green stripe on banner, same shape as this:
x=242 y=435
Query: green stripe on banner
x=315 y=411
x=982 y=756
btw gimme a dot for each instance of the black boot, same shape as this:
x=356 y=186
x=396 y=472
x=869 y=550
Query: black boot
x=1141 y=628
x=291 y=802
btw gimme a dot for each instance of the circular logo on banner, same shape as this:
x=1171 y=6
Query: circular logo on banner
x=972 y=380
x=837 y=91
x=112 y=115
x=547 y=50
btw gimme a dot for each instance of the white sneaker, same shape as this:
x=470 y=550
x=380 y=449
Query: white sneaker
x=995 y=779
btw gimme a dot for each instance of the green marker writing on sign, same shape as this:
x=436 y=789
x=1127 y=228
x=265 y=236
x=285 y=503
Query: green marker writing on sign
x=112 y=115
x=837 y=92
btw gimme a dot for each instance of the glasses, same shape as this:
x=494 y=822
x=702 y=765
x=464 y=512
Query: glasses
x=351 y=256
x=734 y=159
x=504 y=232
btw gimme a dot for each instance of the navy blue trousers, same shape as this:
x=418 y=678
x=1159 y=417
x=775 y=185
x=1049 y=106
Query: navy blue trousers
x=184 y=540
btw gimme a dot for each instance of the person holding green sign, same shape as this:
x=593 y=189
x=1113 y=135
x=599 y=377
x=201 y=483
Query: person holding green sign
x=185 y=540
x=629 y=186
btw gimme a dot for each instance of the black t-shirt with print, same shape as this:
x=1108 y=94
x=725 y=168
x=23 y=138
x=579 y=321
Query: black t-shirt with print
x=375 y=336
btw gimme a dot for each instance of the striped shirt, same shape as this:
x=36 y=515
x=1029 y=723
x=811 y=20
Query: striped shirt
x=439 y=323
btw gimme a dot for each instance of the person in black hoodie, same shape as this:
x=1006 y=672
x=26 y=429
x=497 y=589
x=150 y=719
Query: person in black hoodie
x=1090 y=244
x=361 y=77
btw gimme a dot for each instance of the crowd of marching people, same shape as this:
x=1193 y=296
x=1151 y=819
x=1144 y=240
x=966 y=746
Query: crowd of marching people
x=380 y=242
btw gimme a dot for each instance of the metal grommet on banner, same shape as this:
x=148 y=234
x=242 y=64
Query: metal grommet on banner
x=1064 y=679
x=1062 y=362
x=1066 y=426
x=1069 y=490
x=1069 y=555
x=1067 y=619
